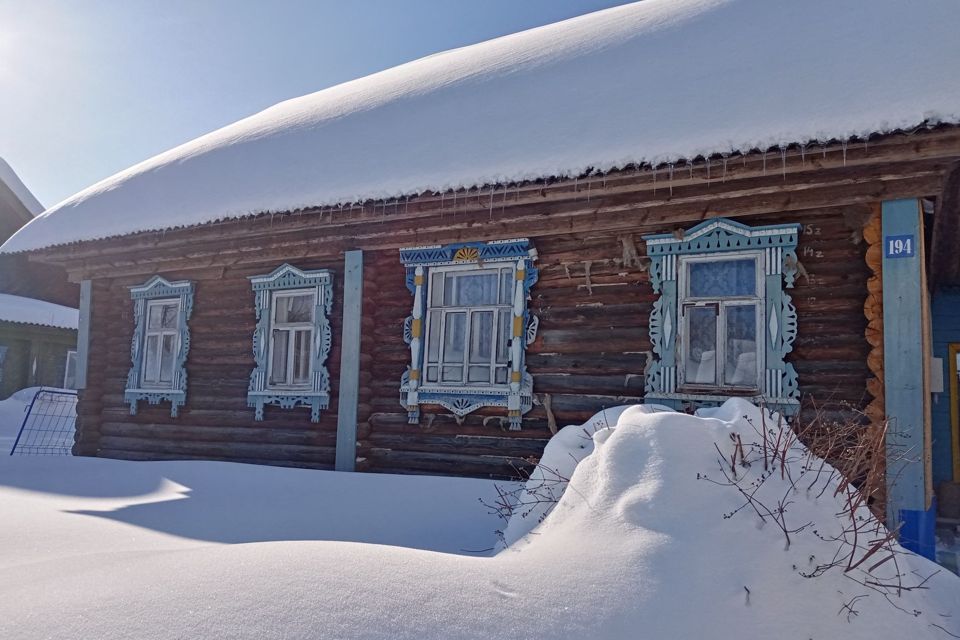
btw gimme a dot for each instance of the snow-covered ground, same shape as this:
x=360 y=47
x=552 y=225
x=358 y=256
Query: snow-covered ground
x=638 y=547
x=12 y=411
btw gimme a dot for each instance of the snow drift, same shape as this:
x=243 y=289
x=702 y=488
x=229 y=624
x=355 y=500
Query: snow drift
x=652 y=81
x=638 y=547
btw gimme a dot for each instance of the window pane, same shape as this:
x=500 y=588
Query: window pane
x=278 y=370
x=741 y=364
x=478 y=374
x=701 y=348
x=154 y=315
x=169 y=316
x=453 y=374
x=481 y=336
x=503 y=336
x=718 y=278
x=150 y=364
x=436 y=289
x=433 y=342
x=449 y=285
x=477 y=288
x=432 y=374
x=501 y=375
x=454 y=337
x=301 y=357
x=297 y=308
x=166 y=358
x=506 y=286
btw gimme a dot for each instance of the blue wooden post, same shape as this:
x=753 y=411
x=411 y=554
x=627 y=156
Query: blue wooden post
x=904 y=375
x=83 y=334
x=349 y=393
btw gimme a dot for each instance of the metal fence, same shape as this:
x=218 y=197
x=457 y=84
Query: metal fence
x=49 y=424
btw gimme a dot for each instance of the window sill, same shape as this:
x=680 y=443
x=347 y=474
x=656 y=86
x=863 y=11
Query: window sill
x=786 y=406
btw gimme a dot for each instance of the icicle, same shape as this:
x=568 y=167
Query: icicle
x=823 y=148
x=490 y=212
x=843 y=145
x=576 y=184
x=764 y=162
x=589 y=184
x=670 y=177
x=783 y=161
x=724 y=176
x=708 y=170
x=690 y=168
x=865 y=143
x=654 y=179
x=803 y=155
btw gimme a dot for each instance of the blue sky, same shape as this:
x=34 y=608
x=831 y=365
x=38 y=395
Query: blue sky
x=90 y=87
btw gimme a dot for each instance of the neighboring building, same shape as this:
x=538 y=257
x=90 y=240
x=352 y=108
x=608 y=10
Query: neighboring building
x=38 y=344
x=37 y=338
x=655 y=203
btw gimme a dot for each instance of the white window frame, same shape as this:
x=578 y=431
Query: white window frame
x=685 y=301
x=439 y=384
x=291 y=328
x=160 y=333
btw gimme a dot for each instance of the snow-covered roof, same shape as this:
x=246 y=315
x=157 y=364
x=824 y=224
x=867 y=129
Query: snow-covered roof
x=652 y=81
x=10 y=178
x=32 y=311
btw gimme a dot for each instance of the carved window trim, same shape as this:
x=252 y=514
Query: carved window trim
x=316 y=395
x=517 y=394
x=776 y=246
x=154 y=290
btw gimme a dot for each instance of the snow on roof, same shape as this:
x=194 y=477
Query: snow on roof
x=10 y=178
x=32 y=311
x=652 y=81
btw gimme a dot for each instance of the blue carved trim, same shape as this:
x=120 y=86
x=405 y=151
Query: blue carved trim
x=317 y=396
x=516 y=395
x=496 y=251
x=777 y=245
x=158 y=288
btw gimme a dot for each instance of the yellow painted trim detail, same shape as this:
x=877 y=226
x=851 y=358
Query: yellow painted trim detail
x=416 y=327
x=515 y=376
x=466 y=254
x=521 y=274
x=513 y=412
x=418 y=280
x=517 y=326
x=414 y=374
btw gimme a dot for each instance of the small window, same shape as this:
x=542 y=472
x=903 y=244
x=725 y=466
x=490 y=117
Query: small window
x=70 y=371
x=291 y=334
x=470 y=327
x=720 y=308
x=291 y=341
x=724 y=322
x=161 y=342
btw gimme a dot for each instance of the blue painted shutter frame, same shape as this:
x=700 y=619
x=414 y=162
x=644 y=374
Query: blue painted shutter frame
x=777 y=245
x=158 y=288
x=517 y=394
x=317 y=397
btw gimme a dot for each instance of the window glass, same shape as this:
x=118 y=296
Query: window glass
x=453 y=337
x=506 y=286
x=481 y=336
x=701 y=365
x=477 y=289
x=151 y=364
x=436 y=289
x=741 y=328
x=70 y=371
x=301 y=357
x=291 y=309
x=278 y=369
x=433 y=348
x=719 y=278
x=503 y=336
x=166 y=357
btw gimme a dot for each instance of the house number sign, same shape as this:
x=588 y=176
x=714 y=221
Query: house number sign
x=899 y=246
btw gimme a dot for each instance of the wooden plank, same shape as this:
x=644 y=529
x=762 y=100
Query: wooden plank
x=349 y=390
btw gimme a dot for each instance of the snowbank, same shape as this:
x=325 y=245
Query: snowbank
x=32 y=311
x=638 y=547
x=651 y=81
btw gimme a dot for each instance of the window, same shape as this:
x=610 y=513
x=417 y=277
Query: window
x=471 y=301
x=70 y=371
x=468 y=325
x=161 y=342
x=291 y=341
x=721 y=301
x=291 y=334
x=723 y=324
